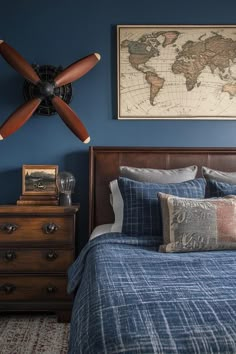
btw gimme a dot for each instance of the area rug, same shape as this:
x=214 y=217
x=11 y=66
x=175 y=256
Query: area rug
x=33 y=334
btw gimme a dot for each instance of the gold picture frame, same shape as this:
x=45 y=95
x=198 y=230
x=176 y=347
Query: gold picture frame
x=174 y=72
x=39 y=180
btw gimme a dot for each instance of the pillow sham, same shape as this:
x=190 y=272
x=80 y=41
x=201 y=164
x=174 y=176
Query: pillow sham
x=215 y=189
x=136 y=206
x=221 y=176
x=159 y=176
x=198 y=224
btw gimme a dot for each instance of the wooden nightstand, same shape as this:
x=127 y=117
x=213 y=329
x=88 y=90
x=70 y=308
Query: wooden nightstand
x=37 y=246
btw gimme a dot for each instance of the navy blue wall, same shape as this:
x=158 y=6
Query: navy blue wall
x=59 y=32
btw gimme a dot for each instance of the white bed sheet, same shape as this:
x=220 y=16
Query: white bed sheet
x=100 y=230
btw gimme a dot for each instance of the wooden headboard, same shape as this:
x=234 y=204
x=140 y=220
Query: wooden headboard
x=105 y=162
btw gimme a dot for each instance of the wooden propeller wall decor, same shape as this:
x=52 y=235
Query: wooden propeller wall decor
x=46 y=87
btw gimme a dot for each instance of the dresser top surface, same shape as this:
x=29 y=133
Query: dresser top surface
x=36 y=209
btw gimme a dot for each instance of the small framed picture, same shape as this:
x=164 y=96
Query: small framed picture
x=39 y=179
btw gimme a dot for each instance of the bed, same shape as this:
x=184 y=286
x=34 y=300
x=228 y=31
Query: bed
x=131 y=298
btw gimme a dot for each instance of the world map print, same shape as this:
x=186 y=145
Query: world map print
x=177 y=72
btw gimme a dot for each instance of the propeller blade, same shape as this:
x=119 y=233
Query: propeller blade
x=18 y=62
x=77 y=69
x=18 y=118
x=71 y=119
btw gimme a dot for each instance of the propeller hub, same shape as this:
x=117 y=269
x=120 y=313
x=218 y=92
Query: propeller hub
x=47 y=74
x=46 y=89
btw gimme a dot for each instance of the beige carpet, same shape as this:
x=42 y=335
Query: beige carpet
x=32 y=334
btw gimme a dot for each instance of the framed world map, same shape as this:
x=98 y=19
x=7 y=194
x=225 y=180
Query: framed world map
x=176 y=72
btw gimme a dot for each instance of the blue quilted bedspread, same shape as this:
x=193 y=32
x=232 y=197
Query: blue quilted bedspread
x=133 y=299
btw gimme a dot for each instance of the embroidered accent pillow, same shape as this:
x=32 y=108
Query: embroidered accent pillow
x=198 y=224
x=159 y=176
x=136 y=206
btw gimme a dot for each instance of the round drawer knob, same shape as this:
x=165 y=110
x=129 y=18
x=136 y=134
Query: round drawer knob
x=10 y=256
x=51 y=289
x=50 y=228
x=51 y=255
x=8 y=228
x=7 y=288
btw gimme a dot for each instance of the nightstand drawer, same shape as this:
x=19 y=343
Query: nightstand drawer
x=36 y=229
x=35 y=260
x=33 y=288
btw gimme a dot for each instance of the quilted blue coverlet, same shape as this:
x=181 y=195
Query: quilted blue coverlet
x=132 y=299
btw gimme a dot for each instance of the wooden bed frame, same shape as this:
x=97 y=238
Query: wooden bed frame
x=105 y=162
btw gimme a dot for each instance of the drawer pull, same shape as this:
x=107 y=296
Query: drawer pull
x=10 y=256
x=51 y=289
x=51 y=256
x=9 y=228
x=7 y=288
x=50 y=228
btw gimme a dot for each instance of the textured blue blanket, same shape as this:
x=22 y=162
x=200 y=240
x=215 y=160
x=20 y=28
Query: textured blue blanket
x=132 y=299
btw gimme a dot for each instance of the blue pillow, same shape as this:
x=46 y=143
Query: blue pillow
x=136 y=204
x=216 y=189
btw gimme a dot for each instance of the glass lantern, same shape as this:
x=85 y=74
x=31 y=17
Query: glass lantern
x=65 y=182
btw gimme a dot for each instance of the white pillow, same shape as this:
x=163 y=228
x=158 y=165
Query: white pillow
x=118 y=206
x=100 y=230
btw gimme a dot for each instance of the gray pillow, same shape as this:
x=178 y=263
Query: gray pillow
x=159 y=176
x=220 y=176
